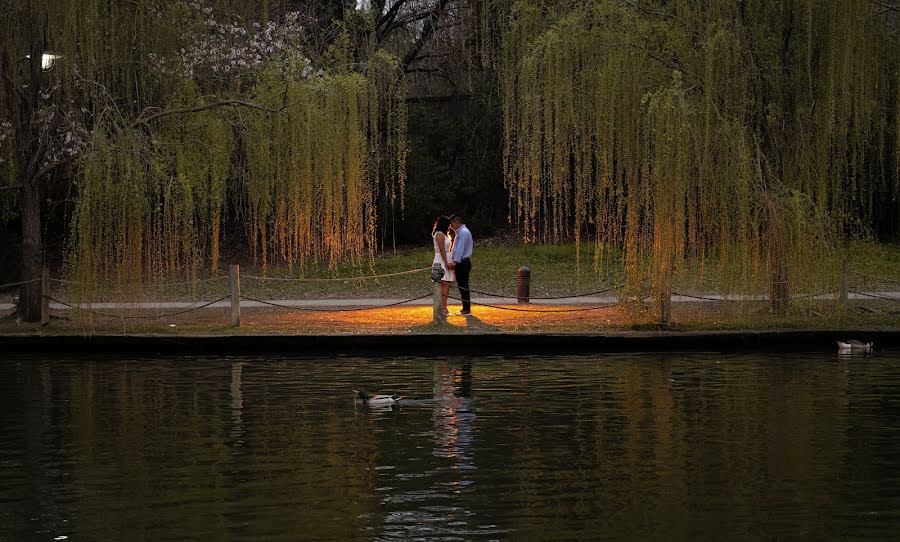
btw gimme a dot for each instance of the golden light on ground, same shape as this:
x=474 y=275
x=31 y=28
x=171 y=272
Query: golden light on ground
x=398 y=320
x=419 y=319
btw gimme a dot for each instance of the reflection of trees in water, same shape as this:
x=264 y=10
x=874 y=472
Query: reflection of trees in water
x=768 y=437
x=237 y=402
x=228 y=449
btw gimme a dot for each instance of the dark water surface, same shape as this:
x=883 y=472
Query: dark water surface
x=676 y=446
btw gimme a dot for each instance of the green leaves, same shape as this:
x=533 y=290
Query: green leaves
x=678 y=129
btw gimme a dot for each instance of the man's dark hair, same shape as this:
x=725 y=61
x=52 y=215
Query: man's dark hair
x=454 y=217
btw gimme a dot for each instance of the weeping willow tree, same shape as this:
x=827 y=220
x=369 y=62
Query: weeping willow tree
x=172 y=139
x=314 y=172
x=757 y=135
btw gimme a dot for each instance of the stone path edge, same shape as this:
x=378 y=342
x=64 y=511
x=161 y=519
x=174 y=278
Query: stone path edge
x=392 y=345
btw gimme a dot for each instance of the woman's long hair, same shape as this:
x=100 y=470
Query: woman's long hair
x=442 y=224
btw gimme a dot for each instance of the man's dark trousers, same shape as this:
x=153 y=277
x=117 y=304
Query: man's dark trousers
x=462 y=271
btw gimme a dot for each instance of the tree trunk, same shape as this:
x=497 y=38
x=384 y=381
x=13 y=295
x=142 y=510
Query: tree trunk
x=779 y=289
x=32 y=143
x=29 y=308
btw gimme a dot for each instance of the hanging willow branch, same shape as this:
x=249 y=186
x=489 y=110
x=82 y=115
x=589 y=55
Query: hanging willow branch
x=161 y=164
x=603 y=135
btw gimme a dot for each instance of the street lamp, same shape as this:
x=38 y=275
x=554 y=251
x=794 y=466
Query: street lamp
x=47 y=60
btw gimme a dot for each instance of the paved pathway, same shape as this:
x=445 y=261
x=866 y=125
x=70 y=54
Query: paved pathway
x=380 y=302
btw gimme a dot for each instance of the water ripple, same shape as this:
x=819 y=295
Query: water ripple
x=679 y=446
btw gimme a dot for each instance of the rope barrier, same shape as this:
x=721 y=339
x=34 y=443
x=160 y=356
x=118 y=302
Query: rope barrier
x=514 y=296
x=308 y=309
x=10 y=285
x=699 y=297
x=211 y=279
x=880 y=279
x=807 y=296
x=704 y=298
x=583 y=309
x=335 y=279
x=876 y=296
x=63 y=281
x=106 y=315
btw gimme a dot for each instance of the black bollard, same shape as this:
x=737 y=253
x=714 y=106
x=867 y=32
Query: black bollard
x=523 y=283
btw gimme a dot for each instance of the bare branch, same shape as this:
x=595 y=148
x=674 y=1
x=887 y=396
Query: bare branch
x=891 y=7
x=428 y=29
x=649 y=10
x=205 y=107
x=388 y=19
x=432 y=99
x=51 y=166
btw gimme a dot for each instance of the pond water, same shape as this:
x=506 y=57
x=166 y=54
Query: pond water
x=675 y=446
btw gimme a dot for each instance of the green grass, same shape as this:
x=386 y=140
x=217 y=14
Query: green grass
x=556 y=270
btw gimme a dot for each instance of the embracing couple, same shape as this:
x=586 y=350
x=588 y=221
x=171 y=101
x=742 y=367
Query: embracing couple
x=452 y=259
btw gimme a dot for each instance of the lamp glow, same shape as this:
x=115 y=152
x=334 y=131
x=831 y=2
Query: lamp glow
x=47 y=60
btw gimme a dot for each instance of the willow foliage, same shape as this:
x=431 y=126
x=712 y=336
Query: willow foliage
x=315 y=169
x=754 y=134
x=170 y=152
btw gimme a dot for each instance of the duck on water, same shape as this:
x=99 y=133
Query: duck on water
x=377 y=400
x=854 y=346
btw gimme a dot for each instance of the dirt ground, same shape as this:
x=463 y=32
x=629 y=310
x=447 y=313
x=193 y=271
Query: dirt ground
x=418 y=319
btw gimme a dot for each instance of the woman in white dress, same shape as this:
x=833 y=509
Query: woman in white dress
x=443 y=248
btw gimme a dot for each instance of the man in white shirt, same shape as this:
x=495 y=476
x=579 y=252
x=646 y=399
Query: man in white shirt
x=462 y=261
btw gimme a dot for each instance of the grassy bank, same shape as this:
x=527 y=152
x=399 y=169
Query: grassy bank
x=555 y=271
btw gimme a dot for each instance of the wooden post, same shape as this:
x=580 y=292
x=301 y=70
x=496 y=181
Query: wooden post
x=235 y=273
x=45 y=296
x=666 y=308
x=523 y=285
x=665 y=302
x=437 y=315
x=845 y=287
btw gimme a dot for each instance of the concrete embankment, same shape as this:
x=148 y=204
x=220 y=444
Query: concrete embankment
x=446 y=343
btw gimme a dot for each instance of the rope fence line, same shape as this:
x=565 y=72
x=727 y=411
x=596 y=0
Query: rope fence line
x=211 y=279
x=334 y=279
x=235 y=296
x=723 y=298
x=141 y=317
x=530 y=297
x=183 y=283
x=309 y=309
x=499 y=307
x=63 y=281
x=700 y=297
x=10 y=285
x=879 y=279
x=809 y=296
x=876 y=296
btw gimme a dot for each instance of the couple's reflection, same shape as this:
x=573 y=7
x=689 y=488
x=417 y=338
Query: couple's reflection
x=441 y=507
x=453 y=416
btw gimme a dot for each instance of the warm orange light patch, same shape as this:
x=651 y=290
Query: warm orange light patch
x=418 y=319
x=397 y=320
